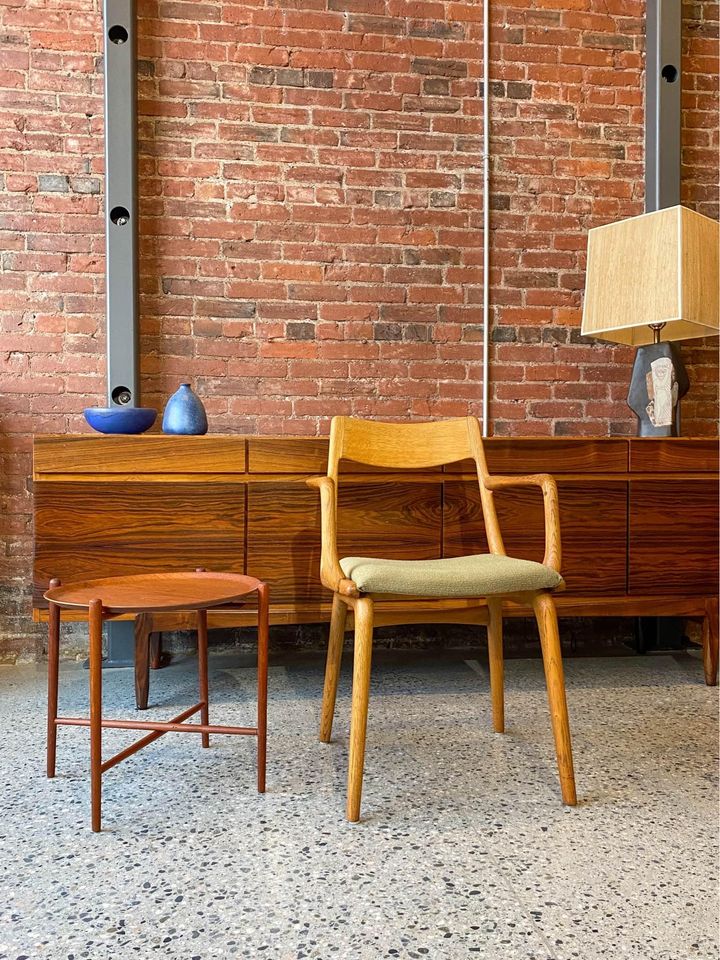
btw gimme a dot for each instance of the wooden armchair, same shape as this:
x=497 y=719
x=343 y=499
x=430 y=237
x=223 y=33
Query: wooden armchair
x=460 y=583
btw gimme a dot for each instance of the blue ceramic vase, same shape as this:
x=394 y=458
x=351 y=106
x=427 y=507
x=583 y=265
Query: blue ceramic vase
x=184 y=413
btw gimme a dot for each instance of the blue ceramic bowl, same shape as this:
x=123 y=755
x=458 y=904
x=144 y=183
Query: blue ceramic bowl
x=120 y=419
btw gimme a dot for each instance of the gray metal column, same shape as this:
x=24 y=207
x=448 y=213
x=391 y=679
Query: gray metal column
x=662 y=104
x=121 y=203
x=663 y=130
x=121 y=232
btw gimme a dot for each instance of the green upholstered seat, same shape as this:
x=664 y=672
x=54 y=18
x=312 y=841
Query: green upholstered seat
x=481 y=575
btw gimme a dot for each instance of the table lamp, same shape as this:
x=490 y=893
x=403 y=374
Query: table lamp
x=650 y=280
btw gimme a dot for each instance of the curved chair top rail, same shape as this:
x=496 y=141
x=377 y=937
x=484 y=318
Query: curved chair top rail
x=405 y=445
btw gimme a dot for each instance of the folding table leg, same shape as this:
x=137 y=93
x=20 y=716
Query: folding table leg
x=53 y=669
x=202 y=638
x=95 y=621
x=263 y=631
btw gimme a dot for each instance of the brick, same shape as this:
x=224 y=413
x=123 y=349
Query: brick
x=430 y=66
x=518 y=91
x=387 y=331
x=610 y=41
x=300 y=331
x=53 y=183
x=262 y=75
x=387 y=198
x=442 y=198
x=323 y=79
x=289 y=77
x=89 y=185
x=436 y=87
x=391 y=26
x=438 y=29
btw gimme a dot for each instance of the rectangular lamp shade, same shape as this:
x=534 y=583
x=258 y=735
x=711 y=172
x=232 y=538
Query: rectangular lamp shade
x=660 y=267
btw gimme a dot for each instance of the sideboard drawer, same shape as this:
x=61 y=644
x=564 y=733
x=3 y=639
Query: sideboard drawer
x=287 y=455
x=399 y=520
x=556 y=455
x=673 y=546
x=675 y=455
x=88 y=530
x=593 y=529
x=136 y=455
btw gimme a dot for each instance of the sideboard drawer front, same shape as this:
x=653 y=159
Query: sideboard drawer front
x=287 y=455
x=593 y=526
x=676 y=455
x=305 y=455
x=556 y=455
x=399 y=520
x=91 y=530
x=673 y=537
x=135 y=455
x=283 y=542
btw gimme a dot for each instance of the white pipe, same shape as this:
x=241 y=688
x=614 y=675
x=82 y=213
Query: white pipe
x=486 y=219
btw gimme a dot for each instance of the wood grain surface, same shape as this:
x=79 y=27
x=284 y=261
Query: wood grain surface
x=553 y=455
x=593 y=523
x=93 y=454
x=678 y=455
x=104 y=527
x=399 y=521
x=279 y=455
x=89 y=530
x=299 y=455
x=673 y=542
x=149 y=592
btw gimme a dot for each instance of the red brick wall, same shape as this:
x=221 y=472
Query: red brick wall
x=311 y=210
x=700 y=176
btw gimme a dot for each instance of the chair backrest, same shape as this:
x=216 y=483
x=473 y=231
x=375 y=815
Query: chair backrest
x=399 y=446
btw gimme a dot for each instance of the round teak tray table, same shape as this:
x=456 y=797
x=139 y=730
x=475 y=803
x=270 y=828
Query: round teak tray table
x=150 y=593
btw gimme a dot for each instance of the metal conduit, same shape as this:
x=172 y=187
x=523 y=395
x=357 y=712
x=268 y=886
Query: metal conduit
x=486 y=220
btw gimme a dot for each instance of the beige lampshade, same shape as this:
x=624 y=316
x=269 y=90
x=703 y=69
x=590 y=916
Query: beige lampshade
x=661 y=267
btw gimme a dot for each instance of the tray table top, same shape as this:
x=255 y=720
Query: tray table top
x=150 y=592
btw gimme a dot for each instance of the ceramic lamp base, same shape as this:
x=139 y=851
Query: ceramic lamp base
x=659 y=381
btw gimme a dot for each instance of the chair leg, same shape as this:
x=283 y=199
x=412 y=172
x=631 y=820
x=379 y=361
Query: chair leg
x=497 y=667
x=360 y=698
x=710 y=642
x=332 y=666
x=95 y=620
x=202 y=641
x=545 y=613
x=53 y=670
x=263 y=631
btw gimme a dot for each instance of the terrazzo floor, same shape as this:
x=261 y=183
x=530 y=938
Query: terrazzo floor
x=464 y=849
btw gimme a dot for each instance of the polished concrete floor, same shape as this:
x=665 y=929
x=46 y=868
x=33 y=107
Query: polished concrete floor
x=464 y=849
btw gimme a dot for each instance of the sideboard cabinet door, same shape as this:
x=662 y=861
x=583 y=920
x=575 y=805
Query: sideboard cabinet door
x=397 y=520
x=593 y=527
x=85 y=530
x=673 y=546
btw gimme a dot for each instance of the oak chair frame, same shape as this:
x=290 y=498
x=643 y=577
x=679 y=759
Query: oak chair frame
x=421 y=446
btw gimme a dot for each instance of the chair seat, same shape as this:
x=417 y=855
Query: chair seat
x=480 y=575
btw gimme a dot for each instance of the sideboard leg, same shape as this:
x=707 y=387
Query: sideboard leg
x=156 y=651
x=143 y=623
x=710 y=642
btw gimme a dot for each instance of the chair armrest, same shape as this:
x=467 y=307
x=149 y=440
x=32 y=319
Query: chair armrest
x=331 y=573
x=553 y=549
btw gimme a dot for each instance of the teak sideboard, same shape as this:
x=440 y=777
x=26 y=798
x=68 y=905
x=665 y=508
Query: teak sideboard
x=639 y=519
